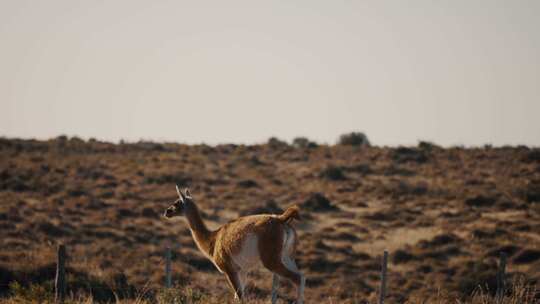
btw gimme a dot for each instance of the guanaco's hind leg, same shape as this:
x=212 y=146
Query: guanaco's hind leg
x=297 y=278
x=291 y=264
x=275 y=285
x=235 y=281
x=279 y=261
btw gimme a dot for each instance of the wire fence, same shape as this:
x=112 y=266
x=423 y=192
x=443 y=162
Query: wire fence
x=165 y=263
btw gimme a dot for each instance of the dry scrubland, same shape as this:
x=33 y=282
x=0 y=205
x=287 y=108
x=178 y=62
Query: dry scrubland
x=444 y=215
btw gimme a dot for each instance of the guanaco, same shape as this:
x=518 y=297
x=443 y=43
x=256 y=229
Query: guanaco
x=244 y=243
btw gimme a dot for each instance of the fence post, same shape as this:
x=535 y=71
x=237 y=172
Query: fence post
x=168 y=280
x=60 y=281
x=501 y=288
x=382 y=291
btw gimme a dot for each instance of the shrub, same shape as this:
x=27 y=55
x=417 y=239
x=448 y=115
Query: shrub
x=178 y=178
x=480 y=201
x=354 y=139
x=404 y=154
x=532 y=192
x=333 y=173
x=532 y=156
x=34 y=293
x=426 y=145
x=270 y=207
x=402 y=256
x=247 y=183
x=274 y=142
x=317 y=202
x=363 y=169
x=304 y=142
x=527 y=256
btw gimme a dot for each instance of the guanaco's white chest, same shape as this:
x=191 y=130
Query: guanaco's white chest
x=248 y=256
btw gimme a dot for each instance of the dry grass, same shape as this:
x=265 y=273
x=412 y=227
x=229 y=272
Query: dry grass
x=444 y=214
x=519 y=293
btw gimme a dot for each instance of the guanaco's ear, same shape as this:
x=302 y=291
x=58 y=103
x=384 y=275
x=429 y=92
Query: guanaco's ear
x=187 y=193
x=179 y=193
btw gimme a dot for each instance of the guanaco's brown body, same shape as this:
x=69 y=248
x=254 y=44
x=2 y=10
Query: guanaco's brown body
x=245 y=243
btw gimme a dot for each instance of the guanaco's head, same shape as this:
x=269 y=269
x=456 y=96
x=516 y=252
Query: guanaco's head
x=178 y=208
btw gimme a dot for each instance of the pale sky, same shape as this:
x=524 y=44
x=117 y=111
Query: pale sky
x=452 y=72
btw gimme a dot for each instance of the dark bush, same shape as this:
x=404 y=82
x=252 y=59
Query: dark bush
x=76 y=192
x=483 y=234
x=397 y=170
x=480 y=201
x=382 y=216
x=149 y=212
x=102 y=290
x=532 y=156
x=333 y=173
x=478 y=274
x=354 y=139
x=52 y=230
x=321 y=264
x=509 y=250
x=441 y=254
x=148 y=146
x=440 y=240
x=270 y=207
x=318 y=203
x=303 y=142
x=255 y=161
x=363 y=169
x=247 y=183
x=428 y=146
x=96 y=204
x=274 y=142
x=62 y=138
x=6 y=277
x=178 y=178
x=124 y=212
x=416 y=189
x=402 y=256
x=40 y=275
x=527 y=256
x=12 y=182
x=402 y=188
x=532 y=192
x=344 y=236
x=404 y=154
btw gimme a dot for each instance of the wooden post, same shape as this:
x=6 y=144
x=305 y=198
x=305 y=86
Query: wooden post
x=382 y=291
x=501 y=288
x=60 y=282
x=168 y=280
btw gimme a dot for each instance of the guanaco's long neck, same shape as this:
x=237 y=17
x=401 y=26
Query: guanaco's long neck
x=202 y=236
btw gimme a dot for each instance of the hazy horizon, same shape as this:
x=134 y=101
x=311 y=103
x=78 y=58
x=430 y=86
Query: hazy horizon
x=449 y=72
x=256 y=142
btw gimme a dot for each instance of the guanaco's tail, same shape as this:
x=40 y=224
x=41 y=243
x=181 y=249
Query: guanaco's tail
x=292 y=213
